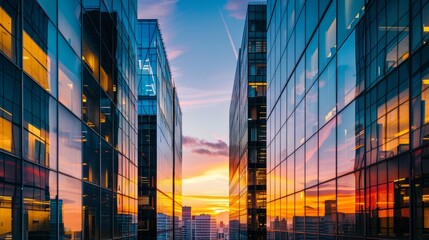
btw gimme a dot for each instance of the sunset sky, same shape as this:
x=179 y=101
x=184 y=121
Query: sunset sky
x=201 y=39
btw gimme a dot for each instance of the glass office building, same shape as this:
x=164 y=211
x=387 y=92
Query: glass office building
x=160 y=139
x=68 y=111
x=348 y=114
x=247 y=132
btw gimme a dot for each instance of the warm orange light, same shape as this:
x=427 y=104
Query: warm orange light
x=6 y=33
x=5 y=134
x=36 y=61
x=425 y=28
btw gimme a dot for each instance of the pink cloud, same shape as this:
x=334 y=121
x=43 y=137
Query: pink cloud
x=204 y=147
x=236 y=8
x=155 y=9
x=192 y=98
x=174 y=53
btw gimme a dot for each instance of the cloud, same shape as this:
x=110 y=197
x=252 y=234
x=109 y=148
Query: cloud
x=192 y=98
x=156 y=9
x=236 y=8
x=204 y=147
x=174 y=53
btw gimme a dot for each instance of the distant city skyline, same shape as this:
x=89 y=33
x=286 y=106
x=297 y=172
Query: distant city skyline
x=203 y=64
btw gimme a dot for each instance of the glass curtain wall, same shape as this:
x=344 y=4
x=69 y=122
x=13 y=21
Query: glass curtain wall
x=68 y=136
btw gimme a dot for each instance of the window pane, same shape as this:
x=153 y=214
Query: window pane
x=311 y=117
x=10 y=106
x=106 y=179
x=328 y=36
x=69 y=18
x=90 y=101
x=70 y=206
x=70 y=85
x=70 y=144
x=40 y=47
x=91 y=211
x=347 y=72
x=347 y=140
x=299 y=125
x=347 y=204
x=311 y=18
x=349 y=14
x=328 y=207
x=327 y=93
x=40 y=125
x=311 y=162
x=91 y=156
x=300 y=81
x=9 y=19
x=299 y=169
x=327 y=152
x=312 y=62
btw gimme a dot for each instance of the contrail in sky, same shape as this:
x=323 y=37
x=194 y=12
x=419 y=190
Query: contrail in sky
x=229 y=35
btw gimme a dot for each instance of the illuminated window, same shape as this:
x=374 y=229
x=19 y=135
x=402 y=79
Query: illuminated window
x=6 y=38
x=5 y=134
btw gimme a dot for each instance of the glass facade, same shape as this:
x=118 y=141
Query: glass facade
x=160 y=139
x=347 y=132
x=68 y=117
x=247 y=126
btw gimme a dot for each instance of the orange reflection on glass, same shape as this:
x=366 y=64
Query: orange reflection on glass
x=35 y=61
x=6 y=33
x=5 y=134
x=70 y=203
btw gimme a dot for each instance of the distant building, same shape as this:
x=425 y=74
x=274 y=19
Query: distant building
x=203 y=227
x=186 y=222
x=247 y=132
x=223 y=232
x=160 y=139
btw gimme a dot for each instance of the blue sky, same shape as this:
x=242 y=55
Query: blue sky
x=203 y=65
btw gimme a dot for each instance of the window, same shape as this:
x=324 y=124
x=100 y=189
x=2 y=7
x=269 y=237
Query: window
x=312 y=62
x=10 y=106
x=327 y=94
x=40 y=125
x=347 y=140
x=91 y=156
x=91 y=101
x=327 y=37
x=69 y=82
x=349 y=14
x=311 y=116
x=70 y=197
x=70 y=144
x=347 y=72
x=9 y=17
x=311 y=157
x=40 y=47
x=327 y=152
x=69 y=19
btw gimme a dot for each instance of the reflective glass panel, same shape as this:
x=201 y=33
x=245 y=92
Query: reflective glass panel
x=347 y=140
x=347 y=72
x=312 y=62
x=327 y=93
x=328 y=36
x=311 y=116
x=9 y=19
x=328 y=207
x=40 y=125
x=69 y=78
x=70 y=207
x=69 y=144
x=69 y=19
x=349 y=14
x=311 y=162
x=39 y=47
x=327 y=152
